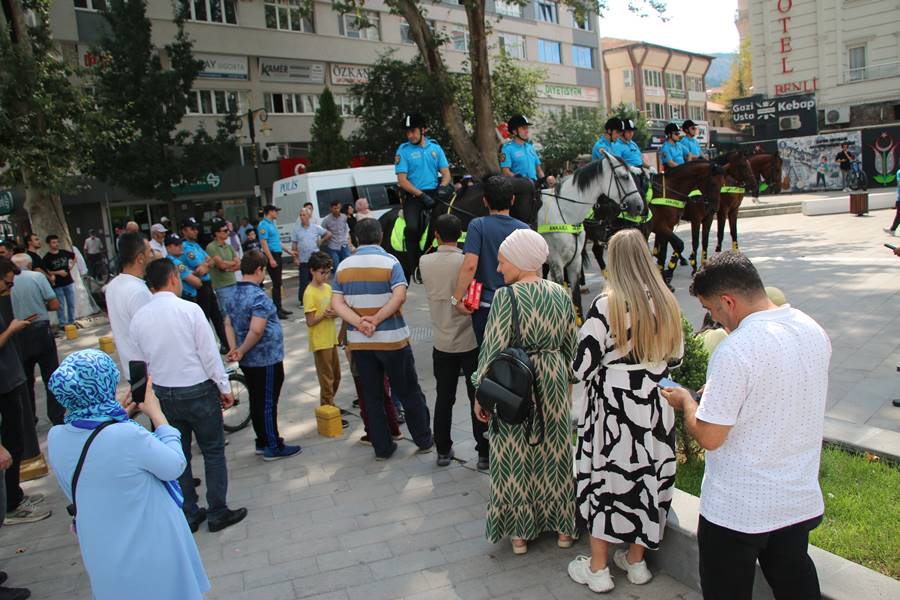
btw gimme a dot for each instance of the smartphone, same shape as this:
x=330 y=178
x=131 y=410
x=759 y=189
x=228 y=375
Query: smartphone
x=665 y=382
x=137 y=375
x=31 y=318
x=891 y=246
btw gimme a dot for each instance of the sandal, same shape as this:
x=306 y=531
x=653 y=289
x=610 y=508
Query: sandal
x=565 y=541
x=519 y=548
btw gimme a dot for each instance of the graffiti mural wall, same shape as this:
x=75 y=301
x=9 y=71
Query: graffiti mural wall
x=809 y=162
x=881 y=155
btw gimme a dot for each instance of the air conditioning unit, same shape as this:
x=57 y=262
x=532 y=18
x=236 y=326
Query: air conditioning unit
x=273 y=152
x=789 y=123
x=837 y=114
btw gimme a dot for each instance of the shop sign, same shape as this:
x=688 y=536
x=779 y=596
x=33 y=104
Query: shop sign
x=342 y=74
x=210 y=183
x=86 y=58
x=291 y=71
x=569 y=92
x=221 y=66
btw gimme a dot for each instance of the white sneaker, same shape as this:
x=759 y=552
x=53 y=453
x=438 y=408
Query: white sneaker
x=580 y=572
x=889 y=231
x=638 y=573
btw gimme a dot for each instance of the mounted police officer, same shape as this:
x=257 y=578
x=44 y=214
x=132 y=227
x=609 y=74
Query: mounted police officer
x=626 y=148
x=418 y=163
x=689 y=141
x=672 y=153
x=518 y=156
x=607 y=142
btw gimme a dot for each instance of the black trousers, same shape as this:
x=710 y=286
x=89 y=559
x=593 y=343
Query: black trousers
x=11 y=433
x=264 y=388
x=39 y=348
x=275 y=274
x=728 y=562
x=206 y=298
x=416 y=216
x=896 y=218
x=446 y=372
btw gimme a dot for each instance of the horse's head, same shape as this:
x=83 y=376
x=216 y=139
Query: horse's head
x=609 y=181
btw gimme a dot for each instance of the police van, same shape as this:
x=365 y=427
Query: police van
x=377 y=184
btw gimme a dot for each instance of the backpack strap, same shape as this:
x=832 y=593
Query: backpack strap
x=72 y=509
x=514 y=307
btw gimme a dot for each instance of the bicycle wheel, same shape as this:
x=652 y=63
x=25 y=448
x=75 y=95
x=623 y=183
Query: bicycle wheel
x=238 y=416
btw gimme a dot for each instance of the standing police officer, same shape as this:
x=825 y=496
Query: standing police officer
x=606 y=142
x=417 y=164
x=190 y=283
x=270 y=242
x=518 y=156
x=198 y=262
x=689 y=141
x=672 y=153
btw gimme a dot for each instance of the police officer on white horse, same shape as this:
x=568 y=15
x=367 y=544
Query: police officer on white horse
x=423 y=175
x=607 y=142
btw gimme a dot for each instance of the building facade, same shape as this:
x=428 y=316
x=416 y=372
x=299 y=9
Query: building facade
x=846 y=52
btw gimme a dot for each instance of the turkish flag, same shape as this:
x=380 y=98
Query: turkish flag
x=293 y=166
x=502 y=131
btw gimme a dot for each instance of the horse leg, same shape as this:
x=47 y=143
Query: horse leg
x=732 y=225
x=695 y=239
x=677 y=249
x=573 y=269
x=707 y=227
x=720 y=222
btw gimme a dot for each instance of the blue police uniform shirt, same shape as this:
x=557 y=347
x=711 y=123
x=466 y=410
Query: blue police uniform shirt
x=672 y=152
x=267 y=230
x=193 y=256
x=421 y=163
x=629 y=152
x=187 y=290
x=603 y=144
x=691 y=145
x=521 y=159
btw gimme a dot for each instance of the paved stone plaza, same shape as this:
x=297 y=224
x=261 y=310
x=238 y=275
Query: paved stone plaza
x=333 y=523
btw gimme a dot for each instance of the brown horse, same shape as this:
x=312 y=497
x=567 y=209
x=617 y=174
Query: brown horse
x=671 y=196
x=765 y=166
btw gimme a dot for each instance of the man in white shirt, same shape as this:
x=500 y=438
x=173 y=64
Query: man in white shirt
x=126 y=294
x=760 y=420
x=175 y=340
x=157 y=240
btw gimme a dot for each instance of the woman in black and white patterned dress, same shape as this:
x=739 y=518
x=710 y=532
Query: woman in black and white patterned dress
x=625 y=454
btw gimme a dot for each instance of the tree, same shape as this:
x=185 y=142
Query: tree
x=328 y=149
x=478 y=150
x=45 y=122
x=741 y=81
x=135 y=91
x=567 y=135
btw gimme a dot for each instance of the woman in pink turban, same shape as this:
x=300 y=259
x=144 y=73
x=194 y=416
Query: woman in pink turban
x=532 y=487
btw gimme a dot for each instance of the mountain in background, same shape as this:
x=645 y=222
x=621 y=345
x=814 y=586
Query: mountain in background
x=720 y=69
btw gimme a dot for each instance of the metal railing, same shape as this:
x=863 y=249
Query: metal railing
x=879 y=71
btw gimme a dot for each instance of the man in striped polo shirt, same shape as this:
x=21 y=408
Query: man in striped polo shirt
x=369 y=291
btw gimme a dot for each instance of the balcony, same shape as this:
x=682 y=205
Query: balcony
x=879 y=71
x=676 y=93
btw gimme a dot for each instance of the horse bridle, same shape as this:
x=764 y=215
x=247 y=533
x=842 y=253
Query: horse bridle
x=619 y=188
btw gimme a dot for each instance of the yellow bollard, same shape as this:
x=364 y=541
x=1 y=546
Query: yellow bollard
x=107 y=345
x=71 y=332
x=328 y=420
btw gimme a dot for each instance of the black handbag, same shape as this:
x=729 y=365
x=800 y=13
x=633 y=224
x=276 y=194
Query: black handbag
x=507 y=388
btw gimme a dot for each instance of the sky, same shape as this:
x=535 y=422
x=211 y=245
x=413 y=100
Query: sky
x=694 y=25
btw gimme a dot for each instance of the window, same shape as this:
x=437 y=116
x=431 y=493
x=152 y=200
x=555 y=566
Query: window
x=211 y=11
x=350 y=29
x=694 y=84
x=459 y=39
x=675 y=81
x=291 y=104
x=676 y=111
x=547 y=12
x=655 y=111
x=548 y=52
x=507 y=8
x=583 y=57
x=583 y=112
x=286 y=15
x=91 y=4
x=405 y=36
x=584 y=24
x=347 y=105
x=628 y=78
x=216 y=102
x=512 y=45
x=653 y=78
x=697 y=113
x=857 y=56
x=552 y=110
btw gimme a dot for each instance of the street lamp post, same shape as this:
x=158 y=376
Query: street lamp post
x=258 y=192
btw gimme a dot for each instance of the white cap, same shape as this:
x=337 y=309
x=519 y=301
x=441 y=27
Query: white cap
x=158 y=228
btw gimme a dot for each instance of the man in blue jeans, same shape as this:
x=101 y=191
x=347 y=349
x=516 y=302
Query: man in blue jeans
x=338 y=244
x=306 y=237
x=175 y=340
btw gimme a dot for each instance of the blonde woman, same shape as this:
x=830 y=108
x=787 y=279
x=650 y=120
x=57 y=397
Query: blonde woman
x=625 y=454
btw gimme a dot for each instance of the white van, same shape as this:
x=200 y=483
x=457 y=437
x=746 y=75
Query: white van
x=377 y=184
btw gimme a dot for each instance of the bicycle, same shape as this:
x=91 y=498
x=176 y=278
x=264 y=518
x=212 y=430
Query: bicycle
x=857 y=178
x=237 y=416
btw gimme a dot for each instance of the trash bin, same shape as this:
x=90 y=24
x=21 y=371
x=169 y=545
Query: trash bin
x=859 y=203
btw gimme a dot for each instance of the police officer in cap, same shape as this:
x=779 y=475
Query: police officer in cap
x=689 y=141
x=607 y=142
x=198 y=262
x=672 y=153
x=190 y=283
x=626 y=148
x=518 y=156
x=423 y=174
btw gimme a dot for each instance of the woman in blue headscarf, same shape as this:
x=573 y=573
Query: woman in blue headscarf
x=134 y=539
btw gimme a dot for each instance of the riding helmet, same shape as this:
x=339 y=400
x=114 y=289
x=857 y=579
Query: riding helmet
x=517 y=121
x=671 y=128
x=614 y=124
x=688 y=124
x=628 y=125
x=413 y=121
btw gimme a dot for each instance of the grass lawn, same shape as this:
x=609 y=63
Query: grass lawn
x=862 y=508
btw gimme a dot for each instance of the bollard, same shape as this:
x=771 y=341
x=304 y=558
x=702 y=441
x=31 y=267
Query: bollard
x=71 y=332
x=328 y=420
x=107 y=345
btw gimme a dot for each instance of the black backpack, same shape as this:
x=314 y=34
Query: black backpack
x=507 y=388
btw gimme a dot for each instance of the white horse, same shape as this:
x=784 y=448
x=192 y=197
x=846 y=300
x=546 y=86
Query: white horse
x=604 y=186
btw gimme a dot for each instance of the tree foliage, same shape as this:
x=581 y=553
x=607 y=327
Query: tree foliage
x=741 y=81
x=135 y=90
x=691 y=374
x=328 y=148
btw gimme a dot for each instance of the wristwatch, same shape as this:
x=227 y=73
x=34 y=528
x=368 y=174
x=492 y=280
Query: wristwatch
x=453 y=301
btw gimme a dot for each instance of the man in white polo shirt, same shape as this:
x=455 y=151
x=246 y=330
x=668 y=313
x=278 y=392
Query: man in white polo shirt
x=760 y=419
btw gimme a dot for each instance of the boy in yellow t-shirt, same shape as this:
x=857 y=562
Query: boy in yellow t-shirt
x=320 y=319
